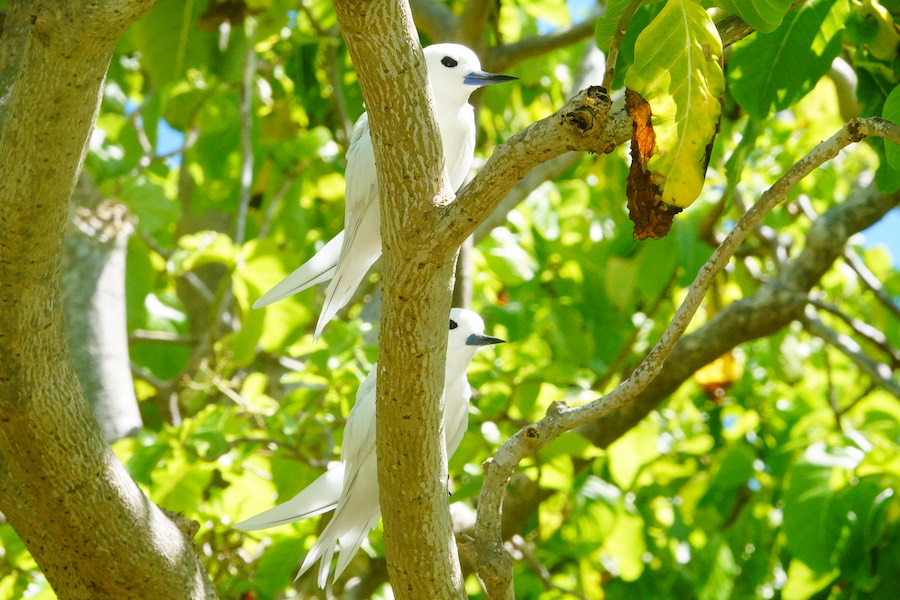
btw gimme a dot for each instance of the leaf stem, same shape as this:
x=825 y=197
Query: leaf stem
x=616 y=42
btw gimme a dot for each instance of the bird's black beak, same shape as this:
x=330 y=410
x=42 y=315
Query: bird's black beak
x=477 y=339
x=483 y=78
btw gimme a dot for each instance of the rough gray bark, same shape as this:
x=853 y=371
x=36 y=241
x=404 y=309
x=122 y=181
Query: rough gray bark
x=93 y=283
x=87 y=524
x=412 y=468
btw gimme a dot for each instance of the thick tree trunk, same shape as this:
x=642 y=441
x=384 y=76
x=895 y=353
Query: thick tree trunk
x=87 y=524
x=412 y=472
x=93 y=283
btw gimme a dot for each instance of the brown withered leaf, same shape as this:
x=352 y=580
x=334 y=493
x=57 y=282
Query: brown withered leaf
x=651 y=216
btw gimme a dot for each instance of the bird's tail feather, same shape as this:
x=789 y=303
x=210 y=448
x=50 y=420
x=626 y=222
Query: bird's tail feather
x=316 y=270
x=342 y=287
x=351 y=542
x=318 y=497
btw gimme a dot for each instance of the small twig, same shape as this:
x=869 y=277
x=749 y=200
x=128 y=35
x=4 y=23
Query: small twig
x=246 y=125
x=733 y=29
x=880 y=373
x=539 y=569
x=856 y=263
x=871 y=281
x=434 y=19
x=337 y=93
x=235 y=397
x=313 y=22
x=190 y=138
x=869 y=389
x=503 y=57
x=137 y=121
x=863 y=330
x=164 y=337
x=616 y=42
x=287 y=446
x=154 y=245
x=140 y=372
x=831 y=393
x=273 y=205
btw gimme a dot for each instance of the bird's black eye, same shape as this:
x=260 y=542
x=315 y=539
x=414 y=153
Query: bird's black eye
x=449 y=63
x=453 y=324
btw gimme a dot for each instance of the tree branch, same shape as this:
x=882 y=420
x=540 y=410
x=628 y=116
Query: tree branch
x=61 y=486
x=496 y=567
x=870 y=281
x=878 y=372
x=434 y=19
x=582 y=124
x=503 y=57
x=863 y=330
x=616 y=42
x=412 y=467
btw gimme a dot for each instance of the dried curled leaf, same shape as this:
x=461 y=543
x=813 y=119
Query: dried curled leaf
x=651 y=216
x=676 y=70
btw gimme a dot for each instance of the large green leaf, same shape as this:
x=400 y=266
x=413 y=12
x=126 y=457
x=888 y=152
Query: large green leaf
x=606 y=25
x=169 y=40
x=772 y=71
x=676 y=70
x=891 y=112
x=761 y=15
x=810 y=535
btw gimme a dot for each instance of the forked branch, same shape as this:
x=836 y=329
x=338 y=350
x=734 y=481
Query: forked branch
x=495 y=566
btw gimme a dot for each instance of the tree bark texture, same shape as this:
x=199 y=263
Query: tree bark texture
x=412 y=473
x=93 y=284
x=87 y=524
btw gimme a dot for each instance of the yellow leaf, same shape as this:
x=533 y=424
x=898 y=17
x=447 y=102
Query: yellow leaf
x=676 y=70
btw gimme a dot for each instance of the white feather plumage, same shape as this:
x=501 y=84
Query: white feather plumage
x=454 y=72
x=351 y=488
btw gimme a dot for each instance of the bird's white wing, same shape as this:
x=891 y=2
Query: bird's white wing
x=323 y=265
x=458 y=137
x=318 y=497
x=318 y=269
x=362 y=224
x=358 y=508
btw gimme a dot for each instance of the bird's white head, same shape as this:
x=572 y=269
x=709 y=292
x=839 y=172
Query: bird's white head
x=466 y=336
x=454 y=72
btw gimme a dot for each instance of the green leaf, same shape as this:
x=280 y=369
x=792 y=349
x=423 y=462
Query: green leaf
x=772 y=71
x=761 y=15
x=872 y=26
x=676 y=70
x=606 y=25
x=169 y=40
x=811 y=536
x=203 y=248
x=148 y=199
x=891 y=112
x=278 y=564
x=621 y=277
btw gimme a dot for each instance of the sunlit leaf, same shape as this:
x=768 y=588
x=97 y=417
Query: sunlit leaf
x=676 y=70
x=796 y=56
x=762 y=15
x=891 y=112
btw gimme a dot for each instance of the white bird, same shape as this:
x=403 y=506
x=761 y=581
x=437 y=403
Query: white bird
x=351 y=488
x=454 y=72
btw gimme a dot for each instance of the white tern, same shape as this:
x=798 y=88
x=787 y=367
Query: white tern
x=351 y=489
x=454 y=72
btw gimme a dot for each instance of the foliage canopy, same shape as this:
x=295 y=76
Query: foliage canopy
x=772 y=472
